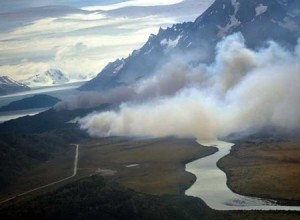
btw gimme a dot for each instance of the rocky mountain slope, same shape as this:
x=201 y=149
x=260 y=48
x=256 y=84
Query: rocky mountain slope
x=258 y=20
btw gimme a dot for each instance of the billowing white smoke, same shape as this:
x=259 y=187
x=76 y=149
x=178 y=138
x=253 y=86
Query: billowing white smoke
x=242 y=89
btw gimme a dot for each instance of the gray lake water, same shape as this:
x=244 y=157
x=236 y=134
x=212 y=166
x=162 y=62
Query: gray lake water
x=60 y=91
x=211 y=185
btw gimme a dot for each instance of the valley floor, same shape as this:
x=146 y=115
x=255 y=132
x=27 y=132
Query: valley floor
x=155 y=170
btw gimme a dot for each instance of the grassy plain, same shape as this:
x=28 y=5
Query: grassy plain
x=158 y=165
x=265 y=169
x=153 y=166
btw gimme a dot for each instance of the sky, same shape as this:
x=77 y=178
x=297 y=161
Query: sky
x=81 y=37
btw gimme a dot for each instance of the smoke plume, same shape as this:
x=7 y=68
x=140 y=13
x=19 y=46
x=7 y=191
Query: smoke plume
x=243 y=89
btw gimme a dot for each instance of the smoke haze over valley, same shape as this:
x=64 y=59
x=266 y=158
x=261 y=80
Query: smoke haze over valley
x=242 y=89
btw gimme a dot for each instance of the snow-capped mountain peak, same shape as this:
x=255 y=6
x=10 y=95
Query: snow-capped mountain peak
x=8 y=85
x=48 y=78
x=57 y=76
x=9 y=81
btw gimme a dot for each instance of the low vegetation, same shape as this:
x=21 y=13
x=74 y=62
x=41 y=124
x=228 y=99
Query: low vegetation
x=22 y=152
x=158 y=164
x=28 y=142
x=265 y=168
x=94 y=198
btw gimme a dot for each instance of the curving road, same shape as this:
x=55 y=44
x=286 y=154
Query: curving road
x=53 y=183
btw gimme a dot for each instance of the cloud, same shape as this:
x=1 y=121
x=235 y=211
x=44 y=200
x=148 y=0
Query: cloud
x=66 y=51
x=243 y=89
x=131 y=3
x=40 y=32
x=68 y=48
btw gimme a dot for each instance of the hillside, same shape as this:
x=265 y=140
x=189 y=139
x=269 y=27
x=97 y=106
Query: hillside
x=47 y=120
x=36 y=101
x=19 y=152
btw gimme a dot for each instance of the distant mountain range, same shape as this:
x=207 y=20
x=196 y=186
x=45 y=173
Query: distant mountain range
x=258 y=20
x=48 y=78
x=8 y=86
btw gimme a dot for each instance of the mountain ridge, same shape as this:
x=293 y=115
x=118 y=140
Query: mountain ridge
x=273 y=20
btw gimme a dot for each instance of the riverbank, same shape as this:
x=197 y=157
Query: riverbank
x=270 y=170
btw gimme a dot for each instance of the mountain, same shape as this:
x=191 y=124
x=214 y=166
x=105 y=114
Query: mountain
x=258 y=20
x=8 y=85
x=48 y=78
x=36 y=101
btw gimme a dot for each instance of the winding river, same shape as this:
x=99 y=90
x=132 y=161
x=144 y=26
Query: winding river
x=211 y=185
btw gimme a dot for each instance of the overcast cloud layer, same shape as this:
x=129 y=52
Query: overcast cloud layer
x=243 y=89
x=81 y=37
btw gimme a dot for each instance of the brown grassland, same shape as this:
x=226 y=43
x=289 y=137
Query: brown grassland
x=160 y=162
x=267 y=169
x=160 y=169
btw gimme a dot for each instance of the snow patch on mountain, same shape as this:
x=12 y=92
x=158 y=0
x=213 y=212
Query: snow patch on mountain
x=118 y=67
x=9 y=81
x=148 y=51
x=260 y=9
x=170 y=43
x=234 y=22
x=236 y=6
